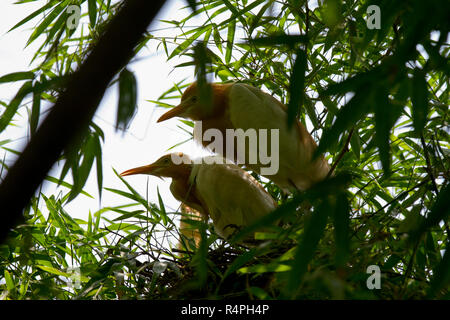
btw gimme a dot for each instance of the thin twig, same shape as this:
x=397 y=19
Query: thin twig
x=427 y=159
x=341 y=154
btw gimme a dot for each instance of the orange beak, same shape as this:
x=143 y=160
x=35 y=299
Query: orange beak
x=174 y=112
x=149 y=169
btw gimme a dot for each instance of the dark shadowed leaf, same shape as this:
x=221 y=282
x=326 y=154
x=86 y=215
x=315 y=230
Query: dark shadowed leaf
x=35 y=111
x=297 y=86
x=347 y=116
x=307 y=246
x=341 y=221
x=383 y=125
x=439 y=212
x=202 y=61
x=419 y=100
x=192 y=4
x=127 y=99
x=355 y=143
x=441 y=277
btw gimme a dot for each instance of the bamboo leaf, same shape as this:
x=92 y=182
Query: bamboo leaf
x=12 y=107
x=35 y=112
x=230 y=40
x=47 y=21
x=341 y=221
x=307 y=246
x=33 y=15
x=185 y=44
x=279 y=39
x=441 y=276
x=17 y=76
x=419 y=100
x=439 y=212
x=9 y=281
x=347 y=116
x=127 y=99
x=297 y=86
x=92 y=7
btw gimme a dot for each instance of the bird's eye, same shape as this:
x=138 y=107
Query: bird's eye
x=194 y=99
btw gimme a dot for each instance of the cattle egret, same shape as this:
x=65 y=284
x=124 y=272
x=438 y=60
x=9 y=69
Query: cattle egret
x=216 y=188
x=241 y=106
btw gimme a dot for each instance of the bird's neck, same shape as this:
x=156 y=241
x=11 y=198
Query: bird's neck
x=220 y=101
x=185 y=191
x=181 y=172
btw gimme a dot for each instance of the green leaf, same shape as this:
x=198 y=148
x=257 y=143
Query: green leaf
x=262 y=268
x=280 y=39
x=47 y=21
x=383 y=126
x=92 y=5
x=54 y=271
x=439 y=212
x=9 y=281
x=162 y=209
x=297 y=86
x=347 y=116
x=98 y=154
x=311 y=111
x=308 y=243
x=217 y=38
x=355 y=143
x=235 y=11
x=81 y=172
x=17 y=76
x=33 y=15
x=35 y=112
x=239 y=262
x=185 y=44
x=230 y=40
x=202 y=61
x=441 y=276
x=11 y=109
x=341 y=221
x=419 y=100
x=127 y=99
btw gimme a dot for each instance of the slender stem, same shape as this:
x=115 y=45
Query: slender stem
x=427 y=159
x=341 y=154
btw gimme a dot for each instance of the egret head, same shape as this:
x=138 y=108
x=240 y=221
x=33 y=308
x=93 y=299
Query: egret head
x=172 y=165
x=193 y=106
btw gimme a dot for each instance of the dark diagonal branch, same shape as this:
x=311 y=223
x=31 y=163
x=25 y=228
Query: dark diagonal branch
x=341 y=154
x=71 y=114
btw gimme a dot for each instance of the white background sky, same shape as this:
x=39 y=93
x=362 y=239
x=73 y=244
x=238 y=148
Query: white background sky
x=145 y=140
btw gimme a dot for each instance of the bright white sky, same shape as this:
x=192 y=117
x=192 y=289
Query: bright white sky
x=144 y=142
